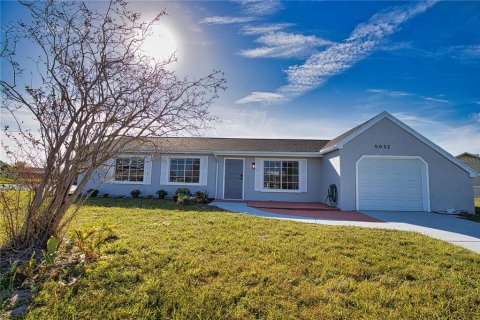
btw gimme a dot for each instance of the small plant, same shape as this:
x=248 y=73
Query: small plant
x=162 y=194
x=92 y=193
x=88 y=240
x=181 y=192
x=135 y=193
x=106 y=195
x=148 y=196
x=26 y=269
x=183 y=199
x=201 y=197
x=51 y=252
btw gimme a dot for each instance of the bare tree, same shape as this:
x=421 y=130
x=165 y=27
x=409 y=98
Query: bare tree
x=96 y=93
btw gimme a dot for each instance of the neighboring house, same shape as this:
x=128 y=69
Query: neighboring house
x=382 y=164
x=473 y=161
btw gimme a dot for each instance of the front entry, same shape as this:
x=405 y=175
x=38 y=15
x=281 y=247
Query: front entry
x=233 y=183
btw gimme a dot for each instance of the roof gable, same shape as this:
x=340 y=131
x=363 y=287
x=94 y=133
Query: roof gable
x=341 y=140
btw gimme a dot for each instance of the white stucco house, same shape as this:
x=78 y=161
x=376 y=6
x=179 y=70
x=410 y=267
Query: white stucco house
x=382 y=164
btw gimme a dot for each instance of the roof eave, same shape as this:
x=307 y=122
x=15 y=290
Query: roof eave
x=315 y=154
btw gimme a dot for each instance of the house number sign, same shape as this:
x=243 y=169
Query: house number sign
x=382 y=146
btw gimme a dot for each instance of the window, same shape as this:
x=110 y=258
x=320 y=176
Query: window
x=281 y=175
x=129 y=169
x=185 y=170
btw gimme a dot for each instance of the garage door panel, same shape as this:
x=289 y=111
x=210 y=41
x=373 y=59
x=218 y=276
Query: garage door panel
x=390 y=184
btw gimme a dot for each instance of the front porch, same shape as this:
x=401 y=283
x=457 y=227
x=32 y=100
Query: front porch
x=309 y=210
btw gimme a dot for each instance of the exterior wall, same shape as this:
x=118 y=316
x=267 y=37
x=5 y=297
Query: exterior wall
x=330 y=174
x=313 y=194
x=117 y=189
x=450 y=186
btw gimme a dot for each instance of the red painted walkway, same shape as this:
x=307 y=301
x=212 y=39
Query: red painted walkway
x=314 y=206
x=310 y=210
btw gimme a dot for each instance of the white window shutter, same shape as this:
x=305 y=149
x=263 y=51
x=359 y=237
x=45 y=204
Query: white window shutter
x=165 y=170
x=303 y=175
x=147 y=170
x=110 y=170
x=203 y=170
x=258 y=174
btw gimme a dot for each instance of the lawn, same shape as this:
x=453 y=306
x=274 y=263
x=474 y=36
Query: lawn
x=172 y=262
x=5 y=180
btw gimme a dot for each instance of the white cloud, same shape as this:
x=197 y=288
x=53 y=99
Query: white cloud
x=261 y=8
x=436 y=100
x=338 y=58
x=252 y=10
x=263 y=29
x=285 y=45
x=476 y=117
x=390 y=92
x=264 y=97
x=243 y=121
x=226 y=20
x=456 y=138
x=401 y=94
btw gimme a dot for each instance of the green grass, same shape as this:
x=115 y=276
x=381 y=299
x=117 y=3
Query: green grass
x=5 y=180
x=172 y=262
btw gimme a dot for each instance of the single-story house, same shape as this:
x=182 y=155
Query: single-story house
x=382 y=164
x=473 y=161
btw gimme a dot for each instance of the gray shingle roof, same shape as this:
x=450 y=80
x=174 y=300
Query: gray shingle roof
x=229 y=144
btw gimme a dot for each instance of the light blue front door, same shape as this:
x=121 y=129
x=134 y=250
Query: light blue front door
x=233 y=179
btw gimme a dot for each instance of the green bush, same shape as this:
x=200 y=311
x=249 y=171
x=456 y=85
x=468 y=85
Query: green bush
x=92 y=193
x=181 y=192
x=135 y=193
x=201 y=197
x=162 y=194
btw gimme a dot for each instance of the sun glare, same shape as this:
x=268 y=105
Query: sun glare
x=161 y=44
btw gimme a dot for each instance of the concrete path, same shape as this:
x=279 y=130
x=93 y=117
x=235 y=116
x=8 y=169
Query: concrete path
x=451 y=229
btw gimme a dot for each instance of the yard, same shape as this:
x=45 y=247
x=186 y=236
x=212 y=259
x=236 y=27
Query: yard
x=197 y=262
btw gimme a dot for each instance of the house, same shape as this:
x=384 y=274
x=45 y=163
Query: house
x=382 y=164
x=473 y=161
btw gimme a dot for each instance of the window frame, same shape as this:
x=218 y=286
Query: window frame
x=281 y=175
x=184 y=170
x=114 y=169
x=302 y=172
x=165 y=170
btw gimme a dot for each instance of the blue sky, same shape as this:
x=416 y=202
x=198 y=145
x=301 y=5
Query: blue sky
x=315 y=69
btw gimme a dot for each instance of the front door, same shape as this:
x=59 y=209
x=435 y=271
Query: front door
x=233 y=184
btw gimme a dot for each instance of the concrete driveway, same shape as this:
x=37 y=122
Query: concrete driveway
x=451 y=229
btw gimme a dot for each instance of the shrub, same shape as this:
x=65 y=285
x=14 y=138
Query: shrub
x=201 y=197
x=135 y=193
x=106 y=195
x=92 y=192
x=181 y=192
x=162 y=194
x=148 y=196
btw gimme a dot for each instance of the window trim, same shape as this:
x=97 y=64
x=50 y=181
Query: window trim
x=281 y=175
x=146 y=172
x=184 y=183
x=301 y=183
x=165 y=172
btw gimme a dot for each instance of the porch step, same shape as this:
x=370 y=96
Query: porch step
x=285 y=205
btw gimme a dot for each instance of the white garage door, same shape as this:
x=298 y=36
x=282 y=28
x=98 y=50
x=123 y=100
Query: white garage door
x=391 y=184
